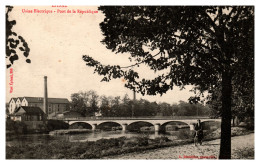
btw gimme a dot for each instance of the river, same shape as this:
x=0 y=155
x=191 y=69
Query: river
x=83 y=137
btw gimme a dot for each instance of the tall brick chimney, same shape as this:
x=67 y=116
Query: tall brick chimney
x=45 y=99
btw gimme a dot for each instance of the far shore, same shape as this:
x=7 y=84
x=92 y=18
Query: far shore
x=69 y=131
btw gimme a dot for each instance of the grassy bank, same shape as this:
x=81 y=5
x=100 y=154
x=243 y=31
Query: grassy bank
x=98 y=149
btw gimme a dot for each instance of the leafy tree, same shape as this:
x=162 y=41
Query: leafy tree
x=115 y=106
x=126 y=107
x=187 y=109
x=105 y=106
x=93 y=102
x=150 y=108
x=85 y=102
x=202 y=46
x=14 y=43
x=165 y=109
x=77 y=104
x=242 y=100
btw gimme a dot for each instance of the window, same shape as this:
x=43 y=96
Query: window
x=58 y=107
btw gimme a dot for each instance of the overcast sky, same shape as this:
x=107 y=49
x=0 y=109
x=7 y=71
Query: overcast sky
x=57 y=42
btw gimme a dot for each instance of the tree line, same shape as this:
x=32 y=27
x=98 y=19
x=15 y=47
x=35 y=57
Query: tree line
x=89 y=103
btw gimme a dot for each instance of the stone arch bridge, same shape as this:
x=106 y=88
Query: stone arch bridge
x=125 y=121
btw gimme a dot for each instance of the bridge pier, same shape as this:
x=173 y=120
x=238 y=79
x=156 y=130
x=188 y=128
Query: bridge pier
x=157 y=127
x=94 y=126
x=192 y=127
x=124 y=125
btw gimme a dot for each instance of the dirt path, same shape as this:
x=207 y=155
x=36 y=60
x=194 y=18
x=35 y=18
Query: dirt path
x=242 y=146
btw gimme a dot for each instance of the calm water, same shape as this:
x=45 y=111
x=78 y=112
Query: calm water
x=83 y=137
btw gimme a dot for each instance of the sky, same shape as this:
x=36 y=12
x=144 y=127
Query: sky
x=57 y=42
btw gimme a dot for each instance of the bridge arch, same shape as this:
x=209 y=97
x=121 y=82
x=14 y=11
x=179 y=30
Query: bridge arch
x=109 y=125
x=140 y=126
x=211 y=124
x=80 y=124
x=73 y=122
x=174 y=125
x=83 y=124
x=176 y=122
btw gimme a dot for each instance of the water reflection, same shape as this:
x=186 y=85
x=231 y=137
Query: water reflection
x=173 y=135
x=91 y=136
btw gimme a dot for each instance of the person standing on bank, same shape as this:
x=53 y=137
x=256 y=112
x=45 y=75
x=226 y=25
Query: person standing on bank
x=199 y=129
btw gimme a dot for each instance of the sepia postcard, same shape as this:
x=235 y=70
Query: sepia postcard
x=130 y=82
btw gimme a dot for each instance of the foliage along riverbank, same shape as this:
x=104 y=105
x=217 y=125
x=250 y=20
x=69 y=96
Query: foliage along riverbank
x=18 y=127
x=100 y=148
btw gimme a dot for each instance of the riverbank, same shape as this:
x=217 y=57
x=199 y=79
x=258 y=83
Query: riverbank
x=242 y=148
x=101 y=148
x=69 y=131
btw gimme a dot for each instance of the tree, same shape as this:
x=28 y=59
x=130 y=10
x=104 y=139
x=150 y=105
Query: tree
x=201 y=46
x=126 y=107
x=115 y=106
x=242 y=99
x=77 y=103
x=165 y=109
x=93 y=102
x=85 y=102
x=105 y=106
x=14 y=41
x=188 y=109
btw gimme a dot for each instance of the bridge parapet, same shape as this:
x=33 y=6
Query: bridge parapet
x=124 y=123
x=136 y=118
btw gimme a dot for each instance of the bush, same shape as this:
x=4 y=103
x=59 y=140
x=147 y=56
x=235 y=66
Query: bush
x=56 y=124
x=184 y=134
x=142 y=140
x=165 y=139
x=161 y=140
x=17 y=127
x=245 y=153
x=130 y=143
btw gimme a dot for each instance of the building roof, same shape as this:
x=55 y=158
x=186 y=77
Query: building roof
x=50 y=100
x=21 y=98
x=28 y=110
x=58 y=100
x=13 y=98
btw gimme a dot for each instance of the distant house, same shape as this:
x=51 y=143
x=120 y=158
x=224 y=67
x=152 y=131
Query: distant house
x=33 y=117
x=6 y=110
x=24 y=113
x=12 y=105
x=18 y=102
x=55 y=105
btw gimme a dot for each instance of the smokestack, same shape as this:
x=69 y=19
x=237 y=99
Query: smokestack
x=134 y=96
x=45 y=99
